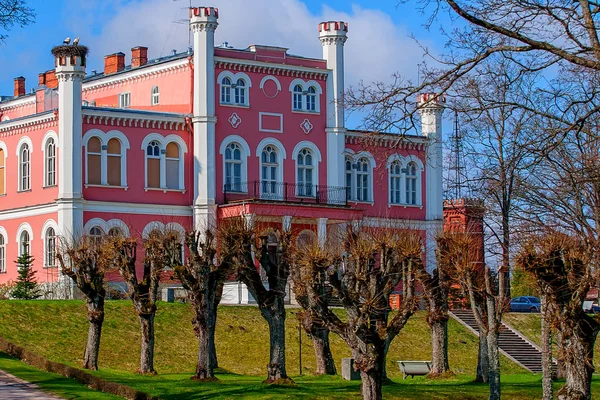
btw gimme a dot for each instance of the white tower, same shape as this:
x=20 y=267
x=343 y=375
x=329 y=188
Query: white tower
x=203 y=23
x=70 y=71
x=333 y=36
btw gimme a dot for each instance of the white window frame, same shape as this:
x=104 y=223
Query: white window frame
x=155 y=96
x=233 y=90
x=106 y=226
x=49 y=224
x=245 y=154
x=280 y=160
x=305 y=106
x=170 y=226
x=3 y=169
x=164 y=141
x=353 y=173
x=316 y=153
x=24 y=227
x=179 y=165
x=50 y=136
x=3 y=243
x=104 y=138
x=25 y=141
x=125 y=100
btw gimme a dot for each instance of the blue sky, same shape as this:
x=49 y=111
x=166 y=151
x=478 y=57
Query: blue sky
x=379 y=35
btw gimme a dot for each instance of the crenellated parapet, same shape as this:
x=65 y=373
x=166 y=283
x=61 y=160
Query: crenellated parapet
x=203 y=19
x=333 y=32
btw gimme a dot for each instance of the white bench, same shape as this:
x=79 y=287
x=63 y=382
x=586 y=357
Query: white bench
x=412 y=368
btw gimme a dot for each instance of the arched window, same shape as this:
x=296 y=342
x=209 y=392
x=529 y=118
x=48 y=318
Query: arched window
x=113 y=161
x=306 y=167
x=411 y=183
x=2 y=254
x=269 y=171
x=349 y=185
x=311 y=99
x=172 y=158
x=233 y=167
x=115 y=232
x=155 y=96
x=395 y=172
x=24 y=243
x=226 y=90
x=306 y=238
x=362 y=180
x=50 y=162
x=50 y=247
x=153 y=164
x=24 y=167
x=96 y=234
x=94 y=161
x=240 y=92
x=297 y=101
x=358 y=179
x=2 y=173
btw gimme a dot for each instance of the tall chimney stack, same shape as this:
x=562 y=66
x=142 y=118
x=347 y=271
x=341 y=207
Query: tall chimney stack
x=114 y=63
x=19 y=86
x=139 y=56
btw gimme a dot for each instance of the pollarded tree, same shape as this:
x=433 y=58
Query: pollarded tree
x=85 y=260
x=202 y=277
x=564 y=268
x=240 y=243
x=372 y=264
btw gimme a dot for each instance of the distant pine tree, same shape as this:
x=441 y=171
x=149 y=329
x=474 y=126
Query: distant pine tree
x=26 y=287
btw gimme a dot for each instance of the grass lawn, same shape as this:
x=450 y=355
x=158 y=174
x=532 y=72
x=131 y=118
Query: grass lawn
x=51 y=383
x=58 y=329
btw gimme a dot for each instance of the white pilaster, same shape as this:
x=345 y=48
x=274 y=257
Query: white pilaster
x=203 y=23
x=333 y=36
x=322 y=231
x=286 y=223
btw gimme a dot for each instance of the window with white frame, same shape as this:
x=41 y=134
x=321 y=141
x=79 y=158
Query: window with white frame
x=411 y=183
x=173 y=165
x=349 y=176
x=305 y=96
x=50 y=247
x=24 y=243
x=155 y=96
x=124 y=100
x=358 y=179
x=240 y=92
x=2 y=254
x=24 y=167
x=164 y=163
x=2 y=172
x=233 y=168
x=113 y=162
x=226 y=90
x=106 y=163
x=311 y=99
x=94 y=161
x=297 y=98
x=395 y=172
x=269 y=171
x=50 y=162
x=153 y=161
x=234 y=88
x=95 y=235
x=305 y=177
x=115 y=232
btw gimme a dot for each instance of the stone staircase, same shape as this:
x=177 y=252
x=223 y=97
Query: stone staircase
x=512 y=343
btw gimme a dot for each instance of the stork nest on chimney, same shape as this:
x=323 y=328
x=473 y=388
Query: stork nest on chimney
x=69 y=50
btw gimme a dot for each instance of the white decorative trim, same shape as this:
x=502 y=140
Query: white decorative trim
x=307 y=144
x=26 y=124
x=135 y=208
x=354 y=157
x=24 y=139
x=19 y=101
x=28 y=211
x=306 y=126
x=174 y=226
x=271 y=141
x=5 y=152
x=24 y=227
x=104 y=139
x=164 y=141
x=265 y=67
x=234 y=78
x=4 y=234
x=106 y=226
x=48 y=224
x=260 y=127
x=48 y=135
x=235 y=120
x=133 y=118
x=270 y=78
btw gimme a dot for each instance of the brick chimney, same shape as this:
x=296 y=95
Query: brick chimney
x=114 y=63
x=48 y=79
x=19 y=86
x=139 y=56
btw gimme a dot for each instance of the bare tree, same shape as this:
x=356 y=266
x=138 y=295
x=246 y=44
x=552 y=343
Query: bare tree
x=561 y=264
x=202 y=277
x=85 y=260
x=14 y=12
x=372 y=264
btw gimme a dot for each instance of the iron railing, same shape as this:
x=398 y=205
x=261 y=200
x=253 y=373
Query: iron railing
x=285 y=192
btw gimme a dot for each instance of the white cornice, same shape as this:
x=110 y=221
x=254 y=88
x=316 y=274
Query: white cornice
x=387 y=140
x=28 y=211
x=18 y=102
x=26 y=124
x=137 y=208
x=271 y=68
x=130 y=118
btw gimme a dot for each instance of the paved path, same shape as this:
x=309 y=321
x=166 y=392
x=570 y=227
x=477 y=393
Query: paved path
x=13 y=388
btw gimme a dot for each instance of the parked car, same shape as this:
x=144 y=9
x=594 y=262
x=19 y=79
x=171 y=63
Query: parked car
x=591 y=308
x=526 y=304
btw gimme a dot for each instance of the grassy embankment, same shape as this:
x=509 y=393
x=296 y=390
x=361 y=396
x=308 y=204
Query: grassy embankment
x=57 y=330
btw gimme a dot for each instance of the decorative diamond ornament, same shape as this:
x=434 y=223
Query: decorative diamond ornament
x=306 y=126
x=235 y=120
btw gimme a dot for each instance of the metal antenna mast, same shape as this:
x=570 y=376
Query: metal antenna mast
x=455 y=184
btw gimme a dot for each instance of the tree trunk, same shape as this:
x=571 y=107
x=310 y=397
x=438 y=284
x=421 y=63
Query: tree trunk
x=493 y=364
x=274 y=313
x=95 y=308
x=578 y=347
x=204 y=369
x=147 y=351
x=371 y=385
x=214 y=362
x=439 y=347
x=482 y=359
x=560 y=367
x=371 y=367
x=547 y=391
x=323 y=356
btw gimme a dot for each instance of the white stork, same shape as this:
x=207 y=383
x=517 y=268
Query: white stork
x=76 y=41
x=67 y=40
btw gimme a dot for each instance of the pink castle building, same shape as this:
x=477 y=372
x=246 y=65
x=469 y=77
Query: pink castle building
x=193 y=138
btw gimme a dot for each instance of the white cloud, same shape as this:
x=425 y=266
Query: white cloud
x=376 y=47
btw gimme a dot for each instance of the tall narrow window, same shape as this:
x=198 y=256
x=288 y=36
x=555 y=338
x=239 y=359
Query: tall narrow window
x=349 y=185
x=153 y=164
x=297 y=101
x=50 y=155
x=362 y=180
x=269 y=170
x=226 y=91
x=311 y=99
x=96 y=234
x=2 y=254
x=155 y=95
x=25 y=167
x=172 y=166
x=124 y=100
x=411 y=183
x=50 y=244
x=2 y=173
x=233 y=168
x=94 y=161
x=24 y=243
x=240 y=92
x=113 y=157
x=395 y=179
x=305 y=173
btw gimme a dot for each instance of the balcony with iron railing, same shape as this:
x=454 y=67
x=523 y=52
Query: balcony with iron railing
x=272 y=191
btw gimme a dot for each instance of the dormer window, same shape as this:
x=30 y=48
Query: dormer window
x=234 y=88
x=305 y=96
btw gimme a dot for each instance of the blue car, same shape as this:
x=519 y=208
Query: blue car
x=525 y=304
